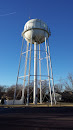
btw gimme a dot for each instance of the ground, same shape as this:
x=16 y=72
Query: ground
x=36 y=118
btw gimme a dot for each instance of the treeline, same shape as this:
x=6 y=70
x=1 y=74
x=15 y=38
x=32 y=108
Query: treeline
x=63 y=88
x=8 y=92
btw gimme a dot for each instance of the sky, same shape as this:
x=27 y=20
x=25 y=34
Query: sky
x=57 y=14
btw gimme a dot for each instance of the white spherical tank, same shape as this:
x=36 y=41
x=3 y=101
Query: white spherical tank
x=36 y=30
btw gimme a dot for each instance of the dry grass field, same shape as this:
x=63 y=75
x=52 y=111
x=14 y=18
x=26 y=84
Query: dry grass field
x=36 y=117
x=59 y=104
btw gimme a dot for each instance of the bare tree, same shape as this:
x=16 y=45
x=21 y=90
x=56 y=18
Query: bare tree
x=3 y=90
x=11 y=89
x=58 y=88
x=69 y=83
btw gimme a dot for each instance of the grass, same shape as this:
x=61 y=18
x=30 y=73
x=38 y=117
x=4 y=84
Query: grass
x=59 y=104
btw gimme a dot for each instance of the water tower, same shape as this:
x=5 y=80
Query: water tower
x=36 y=34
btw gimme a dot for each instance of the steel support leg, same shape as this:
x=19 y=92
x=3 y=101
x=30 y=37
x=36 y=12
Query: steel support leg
x=25 y=73
x=48 y=71
x=51 y=71
x=18 y=71
x=40 y=75
x=29 y=74
x=35 y=74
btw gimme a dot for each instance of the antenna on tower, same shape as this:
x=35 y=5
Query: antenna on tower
x=49 y=32
x=29 y=17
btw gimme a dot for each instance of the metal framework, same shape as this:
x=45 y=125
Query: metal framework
x=48 y=76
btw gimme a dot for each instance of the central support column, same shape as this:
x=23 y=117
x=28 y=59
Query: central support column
x=35 y=74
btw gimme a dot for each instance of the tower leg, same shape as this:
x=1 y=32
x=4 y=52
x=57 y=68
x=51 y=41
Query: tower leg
x=51 y=72
x=48 y=71
x=18 y=72
x=25 y=72
x=35 y=74
x=40 y=75
x=29 y=73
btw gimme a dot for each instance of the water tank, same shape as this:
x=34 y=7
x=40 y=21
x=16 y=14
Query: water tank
x=36 y=30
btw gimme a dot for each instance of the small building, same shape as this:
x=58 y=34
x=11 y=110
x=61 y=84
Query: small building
x=58 y=97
